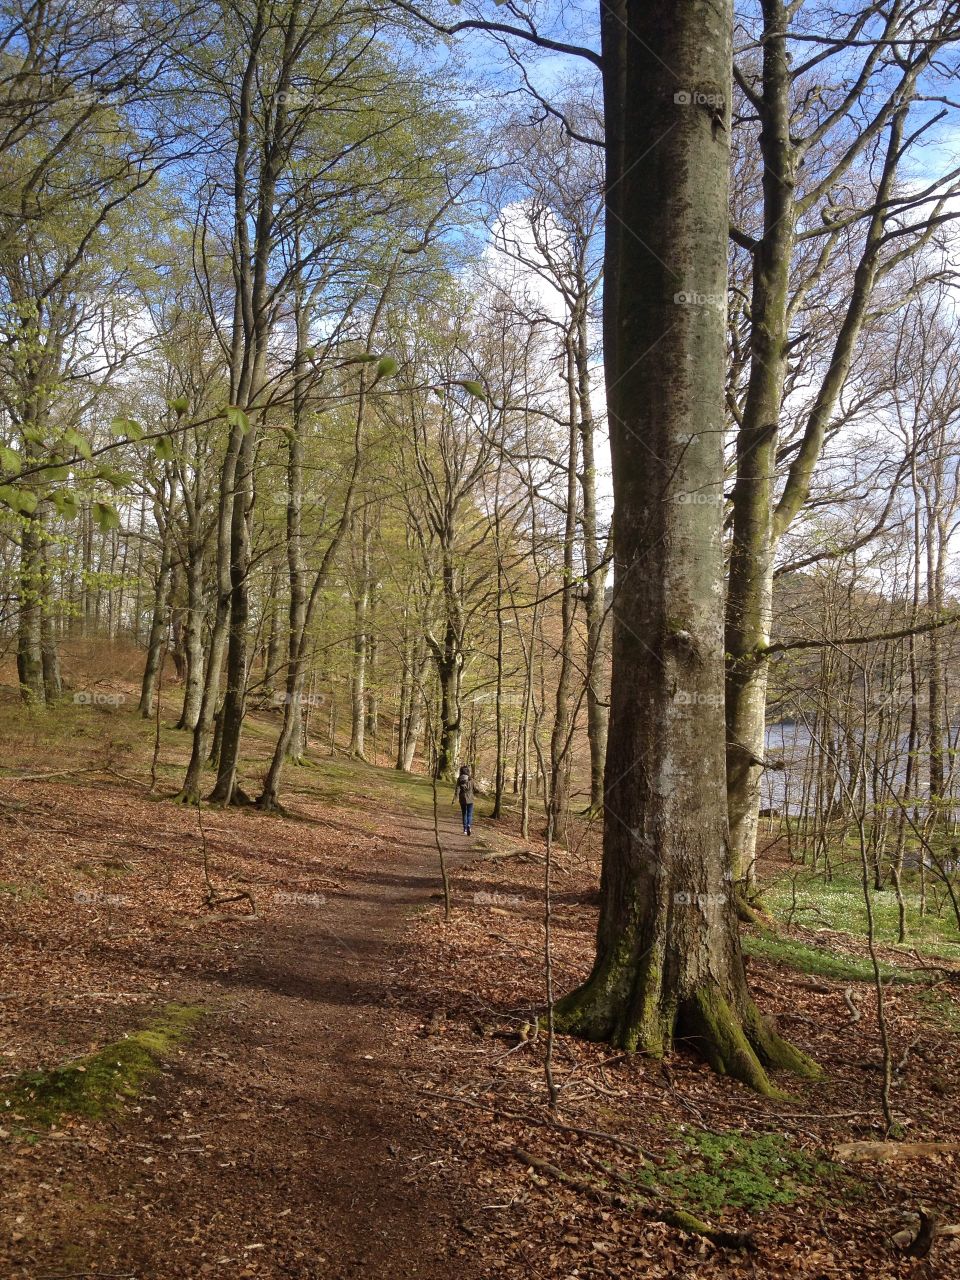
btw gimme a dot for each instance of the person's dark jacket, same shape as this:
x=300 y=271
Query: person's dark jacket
x=465 y=789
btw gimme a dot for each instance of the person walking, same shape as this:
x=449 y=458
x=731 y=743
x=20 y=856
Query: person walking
x=464 y=793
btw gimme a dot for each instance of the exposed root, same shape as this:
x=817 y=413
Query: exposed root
x=743 y=1045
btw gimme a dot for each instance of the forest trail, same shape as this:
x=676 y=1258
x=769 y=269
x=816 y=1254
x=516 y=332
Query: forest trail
x=283 y=1140
x=331 y=1142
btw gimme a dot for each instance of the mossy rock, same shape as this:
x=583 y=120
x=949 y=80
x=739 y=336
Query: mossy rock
x=100 y=1082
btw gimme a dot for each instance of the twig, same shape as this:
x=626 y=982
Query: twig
x=579 y=1184
x=57 y=773
x=672 y=1217
x=213 y=899
x=548 y=1122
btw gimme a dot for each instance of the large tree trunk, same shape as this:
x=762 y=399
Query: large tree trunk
x=190 y=791
x=668 y=961
x=225 y=790
x=750 y=590
x=449 y=672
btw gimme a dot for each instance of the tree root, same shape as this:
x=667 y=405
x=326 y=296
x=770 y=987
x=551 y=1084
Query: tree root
x=741 y=1045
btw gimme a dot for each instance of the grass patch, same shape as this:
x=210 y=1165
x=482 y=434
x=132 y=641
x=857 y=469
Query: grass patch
x=709 y=1172
x=838 y=904
x=102 y=1081
x=822 y=963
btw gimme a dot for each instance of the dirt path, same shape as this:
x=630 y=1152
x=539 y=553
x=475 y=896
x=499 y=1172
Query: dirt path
x=284 y=1141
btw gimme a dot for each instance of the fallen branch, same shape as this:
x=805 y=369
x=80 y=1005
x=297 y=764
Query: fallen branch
x=549 y=1122
x=57 y=773
x=917 y=1244
x=678 y=1218
x=568 y=1180
x=851 y=1005
x=212 y=898
x=857 y=1152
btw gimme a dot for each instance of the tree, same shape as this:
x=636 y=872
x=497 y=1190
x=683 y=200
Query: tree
x=833 y=118
x=555 y=233
x=668 y=961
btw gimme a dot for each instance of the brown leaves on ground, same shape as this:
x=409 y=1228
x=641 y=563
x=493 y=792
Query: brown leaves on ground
x=482 y=1081
x=355 y=1099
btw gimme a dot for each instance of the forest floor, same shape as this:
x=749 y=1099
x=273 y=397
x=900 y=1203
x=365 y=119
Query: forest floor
x=345 y=1084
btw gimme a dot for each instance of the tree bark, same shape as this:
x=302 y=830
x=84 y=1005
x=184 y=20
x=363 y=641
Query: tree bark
x=158 y=626
x=668 y=961
x=29 y=625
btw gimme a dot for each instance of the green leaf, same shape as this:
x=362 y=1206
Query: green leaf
x=369 y=358
x=67 y=503
x=127 y=427
x=33 y=434
x=23 y=501
x=475 y=388
x=9 y=459
x=105 y=515
x=180 y=405
x=386 y=367
x=56 y=473
x=77 y=441
x=114 y=477
x=163 y=447
x=236 y=417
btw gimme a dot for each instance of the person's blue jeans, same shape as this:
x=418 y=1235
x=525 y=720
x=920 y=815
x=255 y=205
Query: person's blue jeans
x=467 y=811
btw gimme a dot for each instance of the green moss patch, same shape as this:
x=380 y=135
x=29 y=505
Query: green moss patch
x=709 y=1172
x=101 y=1081
x=820 y=962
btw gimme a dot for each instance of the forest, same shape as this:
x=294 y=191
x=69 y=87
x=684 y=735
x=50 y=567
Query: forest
x=479 y=602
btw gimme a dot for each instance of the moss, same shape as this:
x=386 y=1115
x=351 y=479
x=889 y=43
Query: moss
x=592 y=1011
x=708 y=1172
x=102 y=1081
x=940 y=1009
x=718 y=1035
x=25 y=892
x=773 y=1050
